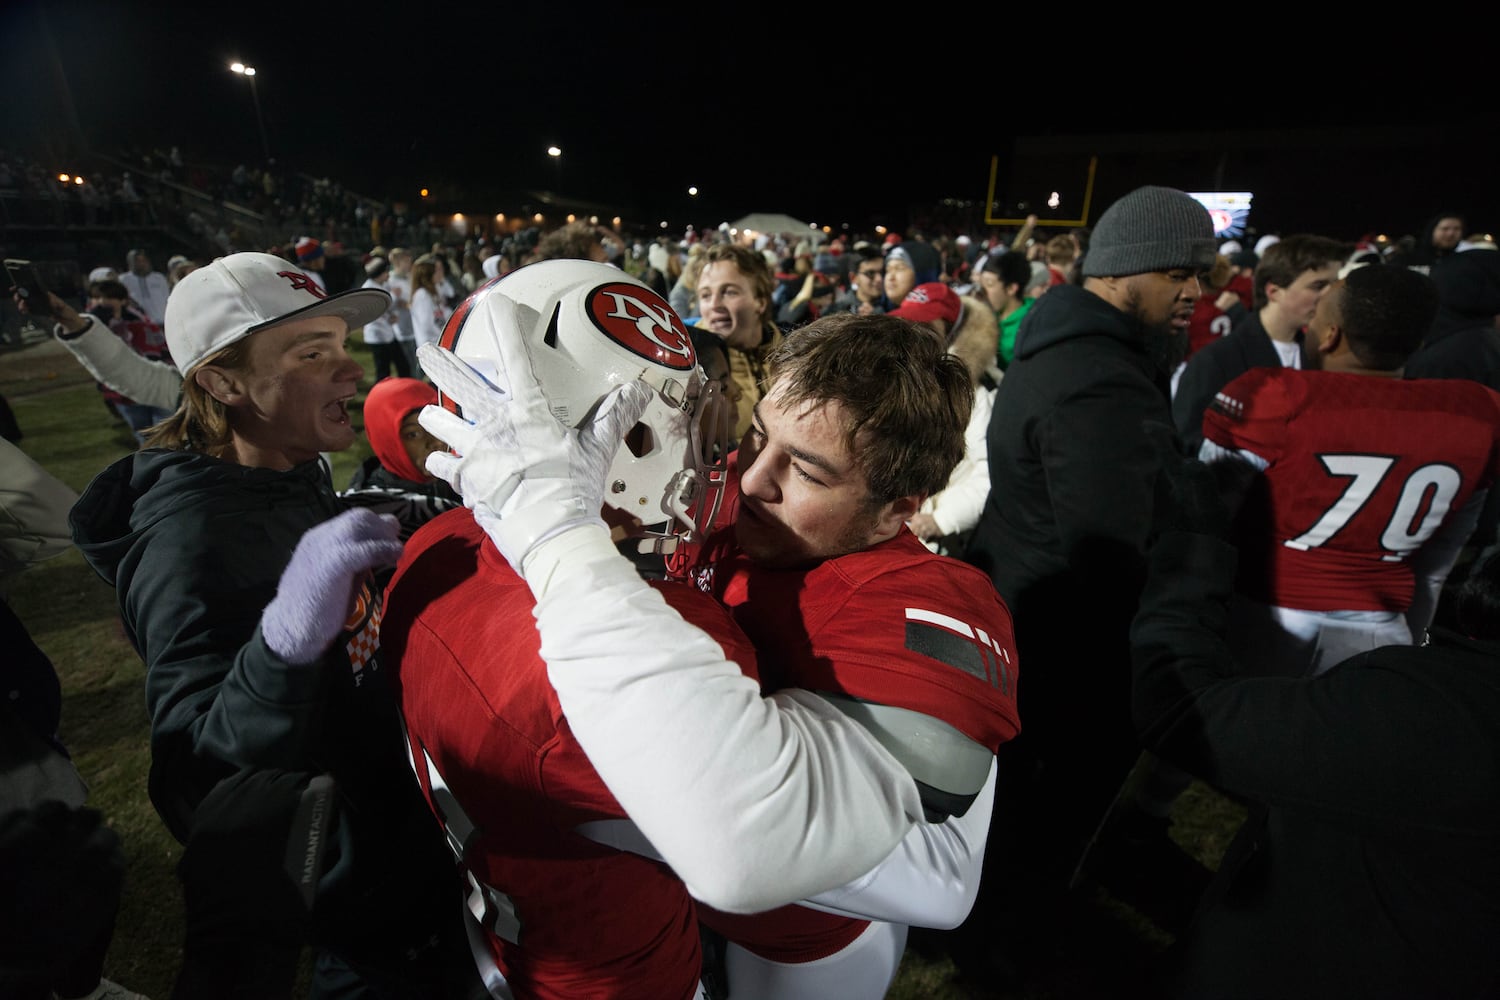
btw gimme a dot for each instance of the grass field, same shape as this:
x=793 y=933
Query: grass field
x=71 y=614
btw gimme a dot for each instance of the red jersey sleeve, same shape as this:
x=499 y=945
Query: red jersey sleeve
x=892 y=624
x=1251 y=413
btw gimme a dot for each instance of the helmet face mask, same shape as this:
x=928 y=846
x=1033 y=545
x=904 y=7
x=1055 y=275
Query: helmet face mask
x=589 y=327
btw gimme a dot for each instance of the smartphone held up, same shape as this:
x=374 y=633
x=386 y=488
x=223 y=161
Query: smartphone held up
x=27 y=284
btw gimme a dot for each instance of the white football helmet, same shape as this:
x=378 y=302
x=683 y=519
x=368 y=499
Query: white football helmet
x=589 y=327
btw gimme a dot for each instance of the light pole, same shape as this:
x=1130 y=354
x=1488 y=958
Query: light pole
x=248 y=72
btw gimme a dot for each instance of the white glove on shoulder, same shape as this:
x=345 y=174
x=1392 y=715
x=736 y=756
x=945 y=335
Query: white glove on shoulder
x=526 y=476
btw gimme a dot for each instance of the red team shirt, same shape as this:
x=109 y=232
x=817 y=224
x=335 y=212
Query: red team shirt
x=1208 y=322
x=893 y=624
x=594 y=921
x=1359 y=472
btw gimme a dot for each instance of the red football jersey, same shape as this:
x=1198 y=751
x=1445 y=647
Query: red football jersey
x=503 y=773
x=893 y=624
x=1359 y=472
x=1208 y=322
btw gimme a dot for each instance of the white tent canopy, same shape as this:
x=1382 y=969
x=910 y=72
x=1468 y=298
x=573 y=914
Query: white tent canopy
x=772 y=223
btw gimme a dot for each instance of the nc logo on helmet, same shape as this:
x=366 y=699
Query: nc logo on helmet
x=639 y=321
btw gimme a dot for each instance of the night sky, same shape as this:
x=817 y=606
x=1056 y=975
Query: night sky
x=831 y=120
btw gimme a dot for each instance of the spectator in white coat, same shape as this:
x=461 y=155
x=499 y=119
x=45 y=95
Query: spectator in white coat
x=148 y=288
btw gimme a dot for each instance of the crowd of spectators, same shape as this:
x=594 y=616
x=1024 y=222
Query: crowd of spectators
x=1099 y=334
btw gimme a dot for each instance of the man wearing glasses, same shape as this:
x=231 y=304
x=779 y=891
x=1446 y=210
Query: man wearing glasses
x=866 y=294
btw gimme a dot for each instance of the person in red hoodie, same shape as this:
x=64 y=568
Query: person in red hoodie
x=395 y=480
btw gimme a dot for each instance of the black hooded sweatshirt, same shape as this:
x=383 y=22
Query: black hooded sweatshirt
x=1063 y=534
x=194 y=547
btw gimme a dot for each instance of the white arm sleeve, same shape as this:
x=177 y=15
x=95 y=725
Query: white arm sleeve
x=932 y=877
x=754 y=802
x=1431 y=564
x=958 y=506
x=112 y=361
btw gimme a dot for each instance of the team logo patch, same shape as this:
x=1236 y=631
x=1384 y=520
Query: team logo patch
x=363 y=626
x=302 y=283
x=639 y=321
x=960 y=645
x=917 y=296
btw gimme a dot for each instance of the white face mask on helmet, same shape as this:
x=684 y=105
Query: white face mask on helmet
x=588 y=328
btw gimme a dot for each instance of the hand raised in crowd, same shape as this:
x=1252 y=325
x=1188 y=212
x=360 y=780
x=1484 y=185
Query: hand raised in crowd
x=66 y=315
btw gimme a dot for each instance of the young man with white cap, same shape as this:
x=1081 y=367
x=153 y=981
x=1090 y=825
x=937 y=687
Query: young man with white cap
x=243 y=585
x=1063 y=534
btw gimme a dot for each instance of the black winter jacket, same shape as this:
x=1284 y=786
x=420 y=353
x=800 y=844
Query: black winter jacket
x=195 y=548
x=1371 y=866
x=1062 y=535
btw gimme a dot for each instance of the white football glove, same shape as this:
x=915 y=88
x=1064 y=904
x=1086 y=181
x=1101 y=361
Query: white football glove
x=526 y=476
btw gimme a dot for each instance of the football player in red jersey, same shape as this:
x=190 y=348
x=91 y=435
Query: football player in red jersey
x=753 y=802
x=1369 y=486
x=839 y=598
x=1224 y=302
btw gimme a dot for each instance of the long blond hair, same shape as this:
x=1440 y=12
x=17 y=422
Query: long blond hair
x=201 y=422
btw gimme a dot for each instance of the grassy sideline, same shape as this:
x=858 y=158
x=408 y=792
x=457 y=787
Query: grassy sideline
x=71 y=615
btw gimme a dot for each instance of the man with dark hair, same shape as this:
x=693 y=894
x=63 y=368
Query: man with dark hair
x=1063 y=537
x=866 y=292
x=1292 y=275
x=753 y=793
x=1437 y=244
x=1369 y=484
x=1002 y=279
x=1367 y=865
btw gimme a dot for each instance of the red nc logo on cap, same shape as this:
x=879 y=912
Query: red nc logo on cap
x=638 y=320
x=303 y=283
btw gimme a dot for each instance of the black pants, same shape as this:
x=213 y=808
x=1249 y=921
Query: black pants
x=388 y=356
x=9 y=429
x=65 y=873
x=388 y=934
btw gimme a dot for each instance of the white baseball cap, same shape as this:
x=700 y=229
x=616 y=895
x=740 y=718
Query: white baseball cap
x=244 y=293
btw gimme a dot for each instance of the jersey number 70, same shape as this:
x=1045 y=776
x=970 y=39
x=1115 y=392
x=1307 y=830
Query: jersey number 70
x=1433 y=486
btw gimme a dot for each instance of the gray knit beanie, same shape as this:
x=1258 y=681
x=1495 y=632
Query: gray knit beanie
x=1150 y=229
